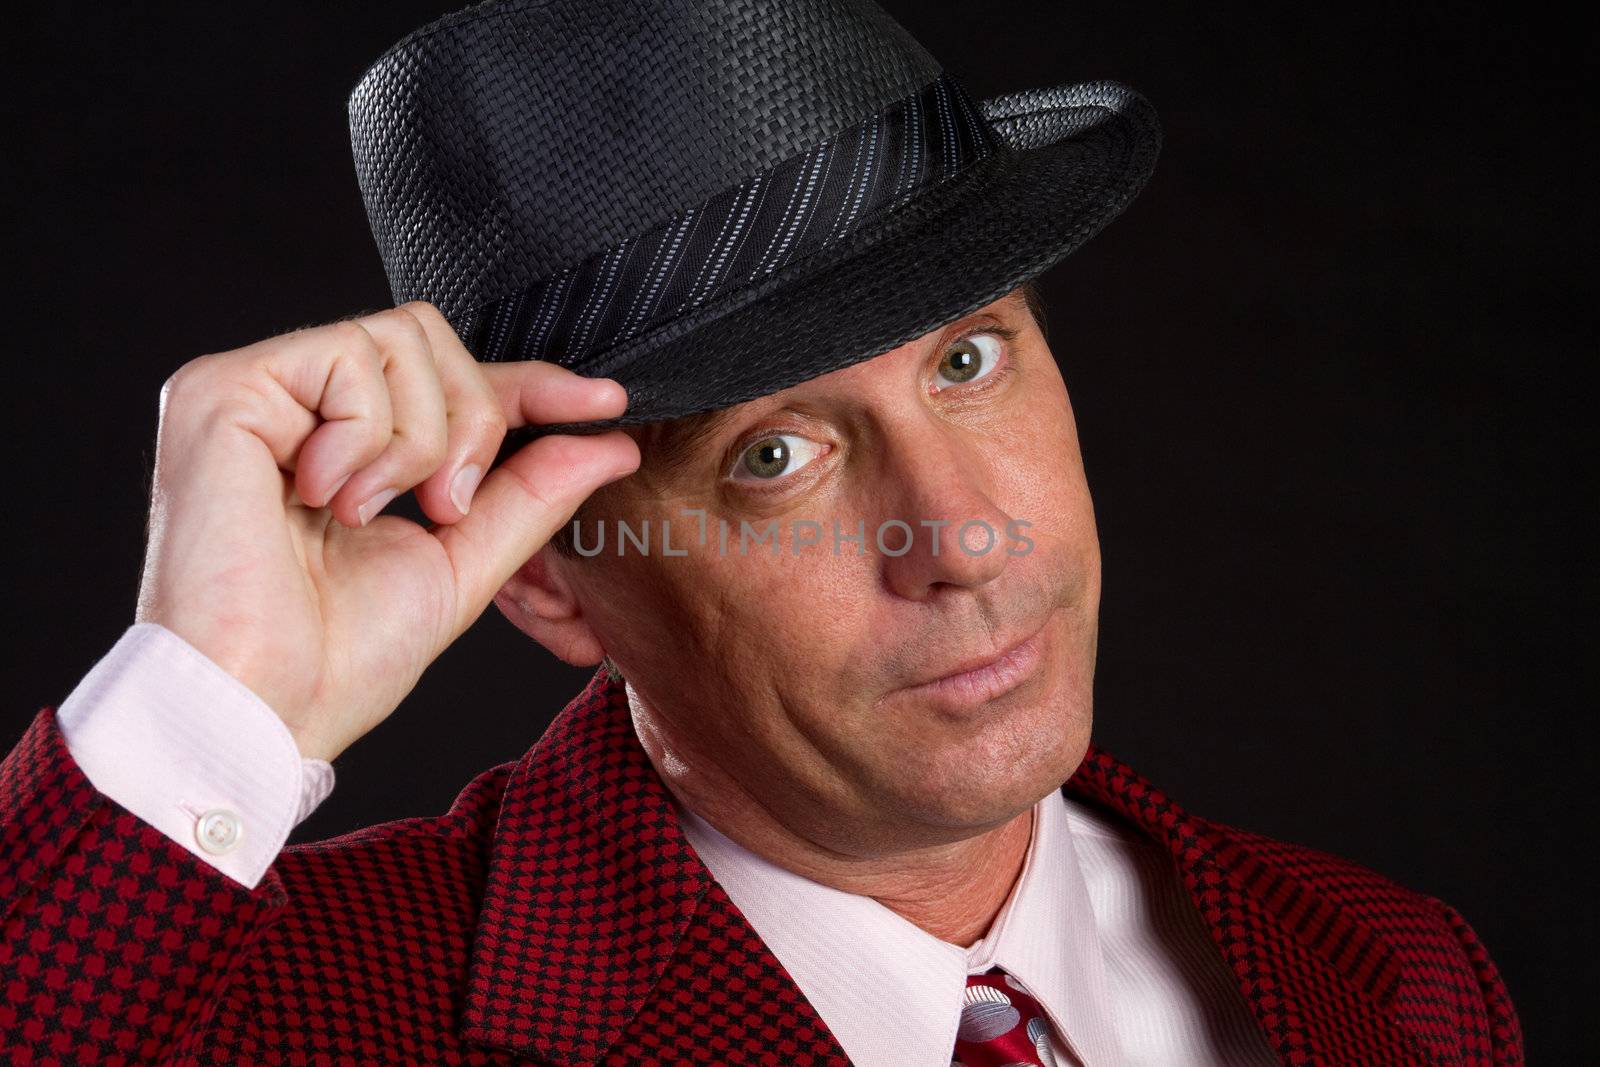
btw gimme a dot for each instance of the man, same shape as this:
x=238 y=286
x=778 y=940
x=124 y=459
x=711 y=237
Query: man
x=831 y=796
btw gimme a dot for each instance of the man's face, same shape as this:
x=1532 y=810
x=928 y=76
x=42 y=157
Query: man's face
x=812 y=676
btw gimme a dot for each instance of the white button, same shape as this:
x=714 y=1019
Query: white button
x=218 y=830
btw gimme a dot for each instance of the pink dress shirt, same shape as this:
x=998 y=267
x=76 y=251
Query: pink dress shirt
x=1097 y=926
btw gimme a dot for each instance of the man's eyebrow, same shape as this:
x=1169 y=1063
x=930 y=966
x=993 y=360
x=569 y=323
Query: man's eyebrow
x=670 y=445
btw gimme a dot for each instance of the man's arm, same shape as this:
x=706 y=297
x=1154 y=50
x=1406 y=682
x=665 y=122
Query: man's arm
x=134 y=884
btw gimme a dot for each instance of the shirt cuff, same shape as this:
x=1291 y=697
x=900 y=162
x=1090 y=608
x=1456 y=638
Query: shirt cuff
x=161 y=729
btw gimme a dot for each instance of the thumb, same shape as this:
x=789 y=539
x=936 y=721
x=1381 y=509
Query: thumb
x=520 y=504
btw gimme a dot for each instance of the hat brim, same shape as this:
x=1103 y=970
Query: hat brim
x=1071 y=159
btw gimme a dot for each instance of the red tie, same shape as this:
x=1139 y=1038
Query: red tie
x=1001 y=1025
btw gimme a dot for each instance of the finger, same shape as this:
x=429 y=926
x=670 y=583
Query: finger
x=476 y=424
x=520 y=504
x=484 y=399
x=416 y=444
x=333 y=373
x=533 y=391
x=419 y=446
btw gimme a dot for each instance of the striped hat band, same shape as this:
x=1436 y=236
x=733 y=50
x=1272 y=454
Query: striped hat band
x=739 y=235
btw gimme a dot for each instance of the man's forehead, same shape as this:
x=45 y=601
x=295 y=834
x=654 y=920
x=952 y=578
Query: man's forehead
x=669 y=444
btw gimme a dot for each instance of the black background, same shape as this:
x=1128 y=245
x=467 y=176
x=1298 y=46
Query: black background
x=1324 y=371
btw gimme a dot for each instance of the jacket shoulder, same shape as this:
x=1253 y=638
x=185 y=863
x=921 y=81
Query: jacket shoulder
x=1402 y=914
x=1447 y=973
x=1342 y=880
x=378 y=926
x=422 y=873
x=418 y=853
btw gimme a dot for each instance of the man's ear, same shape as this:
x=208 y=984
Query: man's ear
x=540 y=600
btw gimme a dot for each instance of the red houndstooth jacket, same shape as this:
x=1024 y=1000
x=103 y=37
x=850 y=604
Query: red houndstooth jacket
x=556 y=914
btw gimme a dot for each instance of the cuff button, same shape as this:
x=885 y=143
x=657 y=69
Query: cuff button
x=218 y=831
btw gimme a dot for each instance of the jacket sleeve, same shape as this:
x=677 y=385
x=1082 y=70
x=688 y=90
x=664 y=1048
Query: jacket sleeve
x=116 y=942
x=1504 y=1039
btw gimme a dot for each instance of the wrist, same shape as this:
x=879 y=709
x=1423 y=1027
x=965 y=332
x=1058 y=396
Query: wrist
x=313 y=745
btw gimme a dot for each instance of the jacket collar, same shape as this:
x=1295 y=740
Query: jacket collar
x=592 y=887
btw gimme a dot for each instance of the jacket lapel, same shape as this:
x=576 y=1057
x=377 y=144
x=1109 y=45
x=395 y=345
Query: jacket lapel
x=1320 y=983
x=602 y=934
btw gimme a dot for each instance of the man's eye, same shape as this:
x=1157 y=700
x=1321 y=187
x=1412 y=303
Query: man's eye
x=968 y=360
x=774 y=457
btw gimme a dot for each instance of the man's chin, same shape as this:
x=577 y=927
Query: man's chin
x=984 y=783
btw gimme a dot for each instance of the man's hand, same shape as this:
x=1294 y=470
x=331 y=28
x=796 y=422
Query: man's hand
x=262 y=448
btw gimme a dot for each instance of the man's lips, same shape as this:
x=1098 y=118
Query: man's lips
x=983 y=677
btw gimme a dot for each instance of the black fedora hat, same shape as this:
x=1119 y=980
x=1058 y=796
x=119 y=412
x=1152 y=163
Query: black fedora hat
x=712 y=200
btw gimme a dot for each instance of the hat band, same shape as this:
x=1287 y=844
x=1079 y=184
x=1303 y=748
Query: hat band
x=739 y=235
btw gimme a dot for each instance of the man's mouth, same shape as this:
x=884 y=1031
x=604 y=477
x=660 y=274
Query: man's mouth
x=982 y=678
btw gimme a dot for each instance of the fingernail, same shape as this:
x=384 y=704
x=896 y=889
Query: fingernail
x=462 y=485
x=620 y=475
x=375 y=504
x=338 y=485
x=612 y=382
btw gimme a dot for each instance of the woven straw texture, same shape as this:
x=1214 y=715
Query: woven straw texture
x=714 y=200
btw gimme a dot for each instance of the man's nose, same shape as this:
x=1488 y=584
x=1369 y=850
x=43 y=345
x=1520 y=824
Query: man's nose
x=941 y=527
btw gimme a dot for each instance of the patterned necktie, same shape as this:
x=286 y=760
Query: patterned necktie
x=1001 y=1025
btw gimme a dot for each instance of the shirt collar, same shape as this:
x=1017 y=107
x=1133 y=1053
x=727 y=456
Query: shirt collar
x=1046 y=937
x=890 y=991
